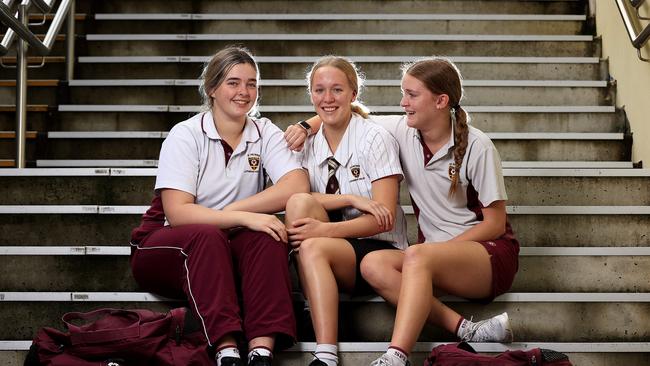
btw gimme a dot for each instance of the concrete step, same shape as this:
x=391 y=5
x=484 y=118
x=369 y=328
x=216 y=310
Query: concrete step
x=542 y=226
x=319 y=44
x=36 y=95
x=545 y=146
x=340 y=6
x=140 y=23
x=120 y=120
x=97 y=272
x=138 y=164
x=106 y=186
x=374 y=67
x=534 y=317
x=376 y=92
x=12 y=353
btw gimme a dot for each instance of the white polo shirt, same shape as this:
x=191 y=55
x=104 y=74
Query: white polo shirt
x=442 y=218
x=366 y=153
x=192 y=159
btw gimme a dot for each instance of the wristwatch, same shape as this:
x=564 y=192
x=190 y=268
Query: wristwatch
x=305 y=125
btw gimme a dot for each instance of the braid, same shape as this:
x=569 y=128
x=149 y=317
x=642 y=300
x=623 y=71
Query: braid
x=359 y=109
x=459 y=119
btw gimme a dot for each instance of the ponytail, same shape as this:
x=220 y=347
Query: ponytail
x=360 y=109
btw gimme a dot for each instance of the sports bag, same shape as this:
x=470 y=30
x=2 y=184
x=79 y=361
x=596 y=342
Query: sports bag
x=113 y=337
x=462 y=354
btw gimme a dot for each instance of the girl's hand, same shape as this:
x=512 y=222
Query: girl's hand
x=383 y=215
x=266 y=223
x=295 y=137
x=306 y=228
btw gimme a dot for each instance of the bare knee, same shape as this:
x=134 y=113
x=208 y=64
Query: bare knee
x=415 y=257
x=300 y=203
x=374 y=267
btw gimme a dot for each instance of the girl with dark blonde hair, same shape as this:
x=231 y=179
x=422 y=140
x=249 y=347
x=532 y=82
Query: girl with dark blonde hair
x=465 y=245
x=353 y=209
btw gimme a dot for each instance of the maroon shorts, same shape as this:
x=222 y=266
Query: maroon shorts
x=504 y=259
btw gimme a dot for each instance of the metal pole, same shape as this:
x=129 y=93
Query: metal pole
x=21 y=92
x=69 y=58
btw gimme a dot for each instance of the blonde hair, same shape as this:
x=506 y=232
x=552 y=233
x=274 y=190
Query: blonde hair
x=352 y=73
x=441 y=76
x=217 y=68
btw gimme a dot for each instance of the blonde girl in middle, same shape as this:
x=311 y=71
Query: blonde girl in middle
x=352 y=209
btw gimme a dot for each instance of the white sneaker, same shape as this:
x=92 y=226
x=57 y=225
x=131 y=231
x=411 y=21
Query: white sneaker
x=386 y=360
x=495 y=329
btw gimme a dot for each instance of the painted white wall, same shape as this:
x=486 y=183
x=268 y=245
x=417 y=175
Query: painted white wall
x=631 y=74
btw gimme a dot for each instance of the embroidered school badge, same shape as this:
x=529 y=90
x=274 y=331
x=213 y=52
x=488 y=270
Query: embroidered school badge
x=355 y=170
x=451 y=171
x=254 y=161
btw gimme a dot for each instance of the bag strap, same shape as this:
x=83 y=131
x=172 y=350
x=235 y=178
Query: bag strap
x=465 y=347
x=79 y=335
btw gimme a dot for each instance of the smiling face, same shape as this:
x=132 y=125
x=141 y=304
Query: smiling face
x=420 y=104
x=237 y=94
x=332 y=95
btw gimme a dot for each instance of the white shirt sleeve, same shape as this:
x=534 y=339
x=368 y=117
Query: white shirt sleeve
x=388 y=122
x=278 y=160
x=485 y=172
x=381 y=153
x=178 y=165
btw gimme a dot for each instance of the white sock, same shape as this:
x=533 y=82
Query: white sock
x=230 y=351
x=398 y=357
x=463 y=327
x=327 y=353
x=260 y=351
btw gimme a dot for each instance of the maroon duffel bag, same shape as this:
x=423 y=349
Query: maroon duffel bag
x=462 y=354
x=114 y=337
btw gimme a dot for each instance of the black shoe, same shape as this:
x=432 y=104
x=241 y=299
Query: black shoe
x=257 y=360
x=231 y=361
x=317 y=362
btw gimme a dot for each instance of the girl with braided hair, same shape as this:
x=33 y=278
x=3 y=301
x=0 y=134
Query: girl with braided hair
x=465 y=245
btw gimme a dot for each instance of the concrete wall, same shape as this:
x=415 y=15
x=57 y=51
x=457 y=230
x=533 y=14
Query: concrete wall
x=631 y=74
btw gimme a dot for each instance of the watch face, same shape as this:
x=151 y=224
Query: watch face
x=304 y=125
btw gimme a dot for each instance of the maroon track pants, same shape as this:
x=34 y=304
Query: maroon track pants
x=204 y=264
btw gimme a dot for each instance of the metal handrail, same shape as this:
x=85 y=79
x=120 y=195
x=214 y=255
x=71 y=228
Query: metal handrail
x=11 y=21
x=638 y=41
x=17 y=24
x=636 y=4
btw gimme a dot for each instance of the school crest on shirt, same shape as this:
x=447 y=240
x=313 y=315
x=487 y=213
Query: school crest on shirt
x=451 y=170
x=254 y=162
x=356 y=171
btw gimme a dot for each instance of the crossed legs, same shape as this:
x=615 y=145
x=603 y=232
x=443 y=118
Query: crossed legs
x=325 y=266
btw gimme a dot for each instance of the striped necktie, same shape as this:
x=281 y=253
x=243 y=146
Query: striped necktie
x=332 y=182
x=333 y=187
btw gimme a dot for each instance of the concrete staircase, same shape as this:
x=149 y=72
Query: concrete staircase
x=534 y=82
